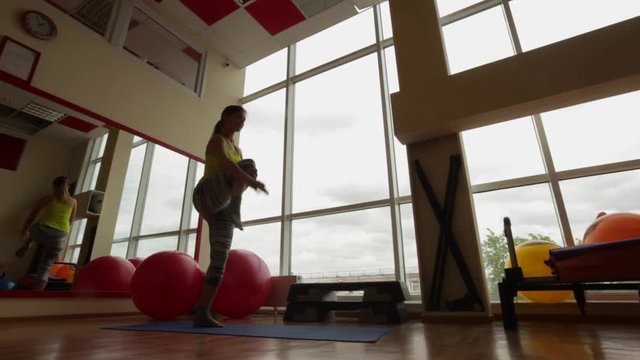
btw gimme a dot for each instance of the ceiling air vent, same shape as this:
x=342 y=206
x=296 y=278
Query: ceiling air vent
x=29 y=120
x=94 y=14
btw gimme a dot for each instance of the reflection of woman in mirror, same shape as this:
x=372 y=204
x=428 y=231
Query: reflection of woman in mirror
x=217 y=198
x=50 y=232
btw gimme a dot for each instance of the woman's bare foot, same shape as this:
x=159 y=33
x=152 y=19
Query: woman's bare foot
x=204 y=318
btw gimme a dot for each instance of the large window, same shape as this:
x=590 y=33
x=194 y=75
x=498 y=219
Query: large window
x=332 y=168
x=333 y=214
x=552 y=174
x=155 y=212
x=95 y=151
x=478 y=32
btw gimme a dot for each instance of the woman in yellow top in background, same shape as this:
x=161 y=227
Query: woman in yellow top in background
x=217 y=198
x=58 y=211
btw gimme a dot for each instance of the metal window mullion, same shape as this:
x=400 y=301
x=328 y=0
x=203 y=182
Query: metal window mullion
x=468 y=11
x=621 y=166
x=264 y=92
x=286 y=228
x=159 y=235
x=511 y=183
x=185 y=215
x=138 y=211
x=367 y=50
x=513 y=31
x=394 y=207
x=556 y=193
x=341 y=209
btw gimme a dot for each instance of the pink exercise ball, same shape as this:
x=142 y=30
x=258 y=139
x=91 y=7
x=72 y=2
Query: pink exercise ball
x=106 y=273
x=245 y=285
x=166 y=285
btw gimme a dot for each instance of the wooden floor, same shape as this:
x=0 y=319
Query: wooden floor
x=83 y=339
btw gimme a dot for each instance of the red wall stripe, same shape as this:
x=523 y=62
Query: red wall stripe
x=211 y=11
x=275 y=15
x=77 y=124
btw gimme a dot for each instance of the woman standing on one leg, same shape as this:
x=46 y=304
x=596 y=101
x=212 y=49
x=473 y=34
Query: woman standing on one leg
x=58 y=211
x=217 y=198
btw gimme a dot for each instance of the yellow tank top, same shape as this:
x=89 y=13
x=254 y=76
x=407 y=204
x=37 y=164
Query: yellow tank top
x=56 y=214
x=211 y=165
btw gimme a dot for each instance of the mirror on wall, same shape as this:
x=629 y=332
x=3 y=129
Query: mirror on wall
x=40 y=139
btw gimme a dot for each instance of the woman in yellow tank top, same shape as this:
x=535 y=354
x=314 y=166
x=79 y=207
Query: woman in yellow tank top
x=217 y=198
x=56 y=215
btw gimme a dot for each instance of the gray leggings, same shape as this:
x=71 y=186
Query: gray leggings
x=52 y=242
x=210 y=198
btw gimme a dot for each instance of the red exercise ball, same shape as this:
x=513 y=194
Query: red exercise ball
x=106 y=273
x=166 y=285
x=136 y=261
x=613 y=227
x=245 y=285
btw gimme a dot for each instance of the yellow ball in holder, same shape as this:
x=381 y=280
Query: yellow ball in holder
x=531 y=256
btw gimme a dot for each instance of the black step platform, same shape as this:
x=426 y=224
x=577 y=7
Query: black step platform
x=382 y=302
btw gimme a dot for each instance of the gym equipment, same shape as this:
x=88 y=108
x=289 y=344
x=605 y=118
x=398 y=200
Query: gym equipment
x=579 y=268
x=382 y=302
x=245 y=285
x=472 y=300
x=106 y=273
x=166 y=285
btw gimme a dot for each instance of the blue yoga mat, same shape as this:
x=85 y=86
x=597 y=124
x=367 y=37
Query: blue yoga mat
x=327 y=333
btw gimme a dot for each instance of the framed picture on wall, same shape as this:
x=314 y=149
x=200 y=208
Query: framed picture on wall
x=17 y=59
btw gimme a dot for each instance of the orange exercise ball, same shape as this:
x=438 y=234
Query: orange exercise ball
x=613 y=227
x=66 y=272
x=53 y=270
x=531 y=256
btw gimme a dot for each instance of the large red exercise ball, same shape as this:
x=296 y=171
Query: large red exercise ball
x=136 y=261
x=166 y=285
x=613 y=227
x=531 y=256
x=106 y=273
x=245 y=285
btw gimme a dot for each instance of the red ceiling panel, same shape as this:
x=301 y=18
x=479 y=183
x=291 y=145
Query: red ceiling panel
x=275 y=15
x=211 y=11
x=77 y=124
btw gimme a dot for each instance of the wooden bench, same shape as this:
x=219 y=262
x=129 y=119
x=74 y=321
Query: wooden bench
x=382 y=301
